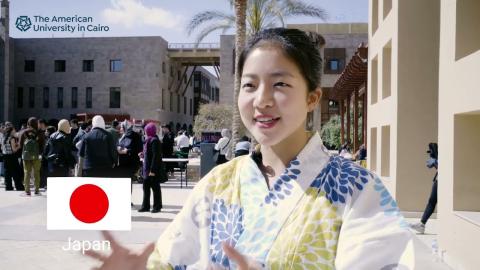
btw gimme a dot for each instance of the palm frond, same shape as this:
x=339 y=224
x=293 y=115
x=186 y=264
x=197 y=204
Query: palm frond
x=224 y=25
x=205 y=16
x=296 y=7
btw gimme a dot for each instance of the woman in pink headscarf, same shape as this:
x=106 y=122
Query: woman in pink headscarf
x=151 y=170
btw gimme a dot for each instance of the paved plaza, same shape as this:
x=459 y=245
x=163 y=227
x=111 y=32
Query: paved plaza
x=26 y=244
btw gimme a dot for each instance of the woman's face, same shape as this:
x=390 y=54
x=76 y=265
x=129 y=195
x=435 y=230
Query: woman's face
x=273 y=99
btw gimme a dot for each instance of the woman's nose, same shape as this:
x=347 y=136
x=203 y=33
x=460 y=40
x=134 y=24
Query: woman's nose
x=264 y=97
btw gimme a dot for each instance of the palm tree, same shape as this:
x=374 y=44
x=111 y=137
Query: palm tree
x=240 y=38
x=260 y=14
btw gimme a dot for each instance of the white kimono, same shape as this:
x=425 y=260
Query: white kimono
x=323 y=212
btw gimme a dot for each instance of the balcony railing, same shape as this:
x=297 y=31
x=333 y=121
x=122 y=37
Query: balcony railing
x=193 y=46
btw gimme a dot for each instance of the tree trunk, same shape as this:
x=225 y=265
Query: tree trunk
x=240 y=36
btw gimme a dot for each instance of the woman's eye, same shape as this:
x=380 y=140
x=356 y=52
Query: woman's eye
x=281 y=84
x=247 y=85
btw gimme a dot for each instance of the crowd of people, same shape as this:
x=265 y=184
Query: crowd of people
x=89 y=149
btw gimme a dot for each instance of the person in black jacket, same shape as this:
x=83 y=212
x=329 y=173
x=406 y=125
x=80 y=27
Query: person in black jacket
x=58 y=151
x=168 y=142
x=129 y=146
x=151 y=170
x=98 y=150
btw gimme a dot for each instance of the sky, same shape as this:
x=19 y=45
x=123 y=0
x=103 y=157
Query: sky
x=165 y=18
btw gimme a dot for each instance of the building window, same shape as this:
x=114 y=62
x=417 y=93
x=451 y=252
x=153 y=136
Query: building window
x=46 y=97
x=217 y=96
x=191 y=107
x=335 y=60
x=60 y=65
x=163 y=99
x=115 y=97
x=116 y=65
x=185 y=79
x=178 y=75
x=163 y=67
x=171 y=70
x=29 y=66
x=178 y=103
x=88 y=97
x=185 y=105
x=20 y=97
x=171 y=101
x=60 y=97
x=31 y=97
x=87 y=65
x=74 y=97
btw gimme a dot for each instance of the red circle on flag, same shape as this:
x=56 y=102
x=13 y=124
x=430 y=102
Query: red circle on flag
x=89 y=203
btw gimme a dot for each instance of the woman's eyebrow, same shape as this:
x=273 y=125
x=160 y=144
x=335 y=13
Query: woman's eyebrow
x=273 y=74
x=281 y=74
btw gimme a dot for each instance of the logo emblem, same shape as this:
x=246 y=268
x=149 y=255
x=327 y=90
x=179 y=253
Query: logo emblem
x=23 y=23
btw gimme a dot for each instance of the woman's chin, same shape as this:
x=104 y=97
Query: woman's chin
x=266 y=140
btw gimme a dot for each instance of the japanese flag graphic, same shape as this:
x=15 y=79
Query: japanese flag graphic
x=88 y=203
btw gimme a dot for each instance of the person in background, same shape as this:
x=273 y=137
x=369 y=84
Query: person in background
x=10 y=147
x=223 y=146
x=167 y=146
x=58 y=151
x=85 y=127
x=183 y=142
x=32 y=142
x=432 y=162
x=129 y=146
x=361 y=156
x=242 y=147
x=151 y=170
x=44 y=170
x=74 y=128
x=98 y=150
x=42 y=128
x=42 y=125
x=115 y=131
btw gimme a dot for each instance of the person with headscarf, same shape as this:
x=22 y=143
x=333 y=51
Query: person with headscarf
x=151 y=169
x=32 y=142
x=98 y=150
x=58 y=151
x=223 y=146
x=129 y=146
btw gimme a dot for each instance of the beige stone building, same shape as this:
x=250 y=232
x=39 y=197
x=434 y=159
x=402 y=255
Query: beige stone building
x=424 y=63
x=403 y=96
x=459 y=133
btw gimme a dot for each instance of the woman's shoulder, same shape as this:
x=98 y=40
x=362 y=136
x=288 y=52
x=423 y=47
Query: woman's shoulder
x=222 y=176
x=342 y=179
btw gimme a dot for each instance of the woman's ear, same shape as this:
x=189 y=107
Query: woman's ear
x=314 y=98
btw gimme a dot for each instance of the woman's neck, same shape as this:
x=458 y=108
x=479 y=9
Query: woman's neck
x=278 y=156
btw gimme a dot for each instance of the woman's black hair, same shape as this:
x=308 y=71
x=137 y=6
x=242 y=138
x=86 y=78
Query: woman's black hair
x=302 y=48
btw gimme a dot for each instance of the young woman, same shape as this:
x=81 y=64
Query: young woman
x=151 y=170
x=12 y=169
x=290 y=205
x=222 y=146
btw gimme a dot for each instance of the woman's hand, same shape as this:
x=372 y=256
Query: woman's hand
x=242 y=261
x=151 y=174
x=121 y=258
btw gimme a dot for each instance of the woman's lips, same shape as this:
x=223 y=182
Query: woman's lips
x=266 y=122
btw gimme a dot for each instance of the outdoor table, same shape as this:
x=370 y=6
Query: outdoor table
x=180 y=160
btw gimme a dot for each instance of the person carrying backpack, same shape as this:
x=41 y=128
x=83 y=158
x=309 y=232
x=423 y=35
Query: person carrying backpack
x=32 y=141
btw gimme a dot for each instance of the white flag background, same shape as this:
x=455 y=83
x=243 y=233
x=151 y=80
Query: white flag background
x=59 y=213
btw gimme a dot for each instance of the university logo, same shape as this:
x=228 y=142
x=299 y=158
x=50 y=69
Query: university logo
x=23 y=23
x=77 y=203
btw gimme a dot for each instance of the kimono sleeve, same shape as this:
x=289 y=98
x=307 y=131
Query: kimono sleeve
x=374 y=234
x=184 y=241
